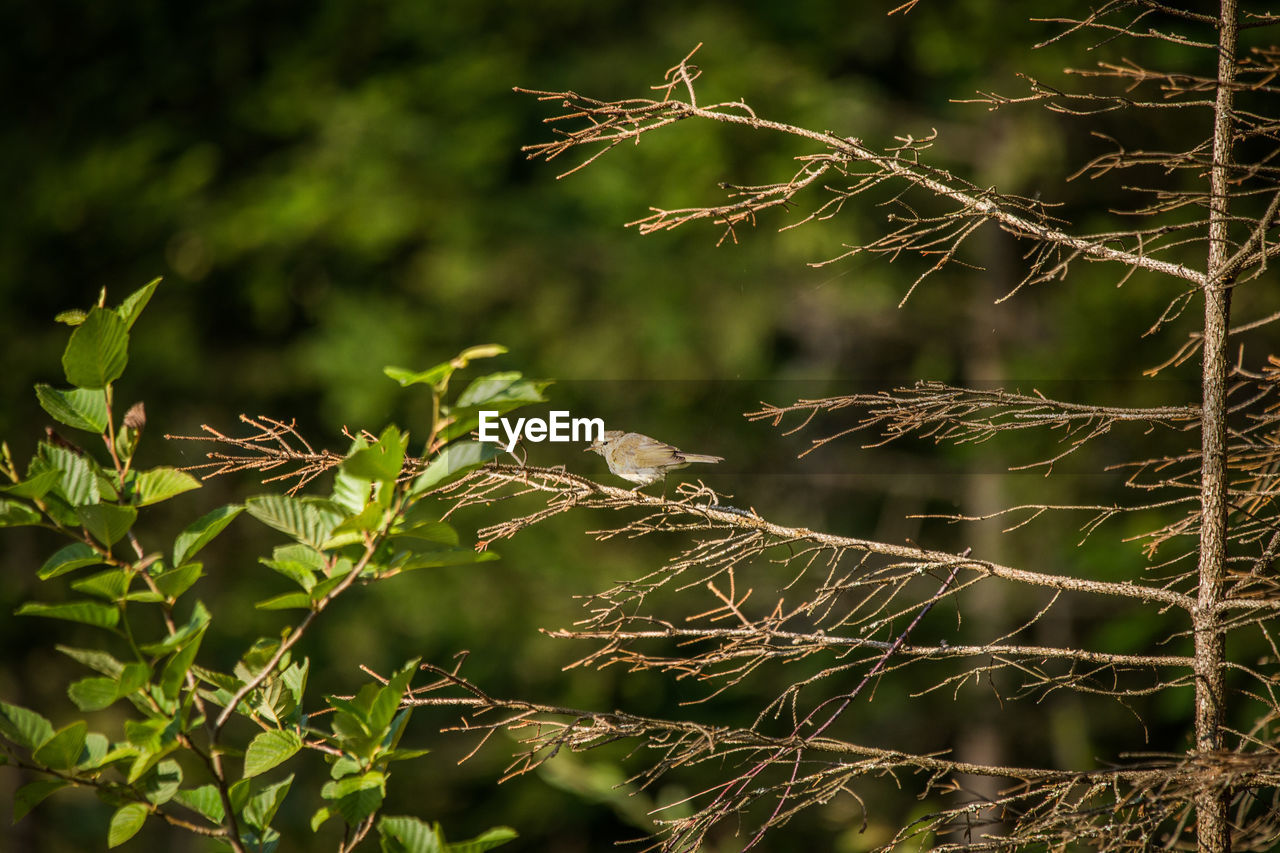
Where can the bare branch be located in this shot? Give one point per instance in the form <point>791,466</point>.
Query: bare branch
<point>609,122</point>
<point>954,415</point>
<point>567,491</point>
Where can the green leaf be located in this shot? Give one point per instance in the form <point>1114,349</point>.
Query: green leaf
<point>238,793</point>
<point>356,797</point>
<point>106,482</point>
<point>73,317</point>
<point>119,757</point>
<point>133,676</point>
<point>299,563</point>
<point>497,392</point>
<point>79,408</point>
<point>88,612</point>
<point>74,556</point>
<point>107,523</point>
<point>436,532</point>
<point>24,727</point>
<point>195,624</point>
<point>451,461</point>
<point>226,684</point>
<point>387,700</point>
<point>257,656</point>
<point>159,484</point>
<point>480,351</point>
<point>350,492</point>
<point>431,376</point>
<point>505,387</point>
<point>202,531</point>
<point>353,529</point>
<point>409,835</point>
<point>486,840</point>
<point>126,442</point>
<point>161,784</point>
<point>94,694</point>
<point>308,520</point>
<point>33,487</point>
<point>286,601</point>
<point>357,709</point>
<point>269,749</point>
<point>328,585</point>
<point>135,302</point>
<point>149,757</point>
<point>260,810</point>
<point>16,514</point>
<point>145,733</point>
<point>78,484</point>
<point>344,766</point>
<point>111,584</point>
<point>317,820</point>
<point>96,660</point>
<point>127,820</point>
<point>205,801</point>
<point>96,747</point>
<point>352,733</point>
<point>59,510</point>
<point>381,461</point>
<point>175,671</point>
<point>175,582</point>
<point>32,794</point>
<point>394,732</point>
<point>62,751</point>
<point>438,375</point>
<point>98,350</point>
<point>295,680</point>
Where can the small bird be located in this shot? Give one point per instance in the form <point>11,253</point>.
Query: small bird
<point>641,459</point>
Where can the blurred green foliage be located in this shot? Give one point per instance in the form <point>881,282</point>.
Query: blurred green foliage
<point>332,187</point>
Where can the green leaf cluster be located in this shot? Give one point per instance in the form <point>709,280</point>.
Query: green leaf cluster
<point>146,625</point>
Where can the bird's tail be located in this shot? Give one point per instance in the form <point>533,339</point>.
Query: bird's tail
<point>700,457</point>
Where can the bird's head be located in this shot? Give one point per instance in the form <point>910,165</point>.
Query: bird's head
<point>599,445</point>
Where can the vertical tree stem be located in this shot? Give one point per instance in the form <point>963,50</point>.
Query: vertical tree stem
<point>1212,829</point>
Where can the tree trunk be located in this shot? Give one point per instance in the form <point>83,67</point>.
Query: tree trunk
<point>1211,805</point>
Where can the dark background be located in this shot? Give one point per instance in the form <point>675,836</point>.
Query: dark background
<point>331,187</point>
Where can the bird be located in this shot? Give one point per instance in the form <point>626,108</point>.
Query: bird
<point>640,459</point>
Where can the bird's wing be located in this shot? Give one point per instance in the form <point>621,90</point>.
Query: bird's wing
<point>649,452</point>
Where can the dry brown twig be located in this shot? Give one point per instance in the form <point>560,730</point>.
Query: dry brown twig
<point>275,445</point>
<point>609,123</point>
<point>789,595</point>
